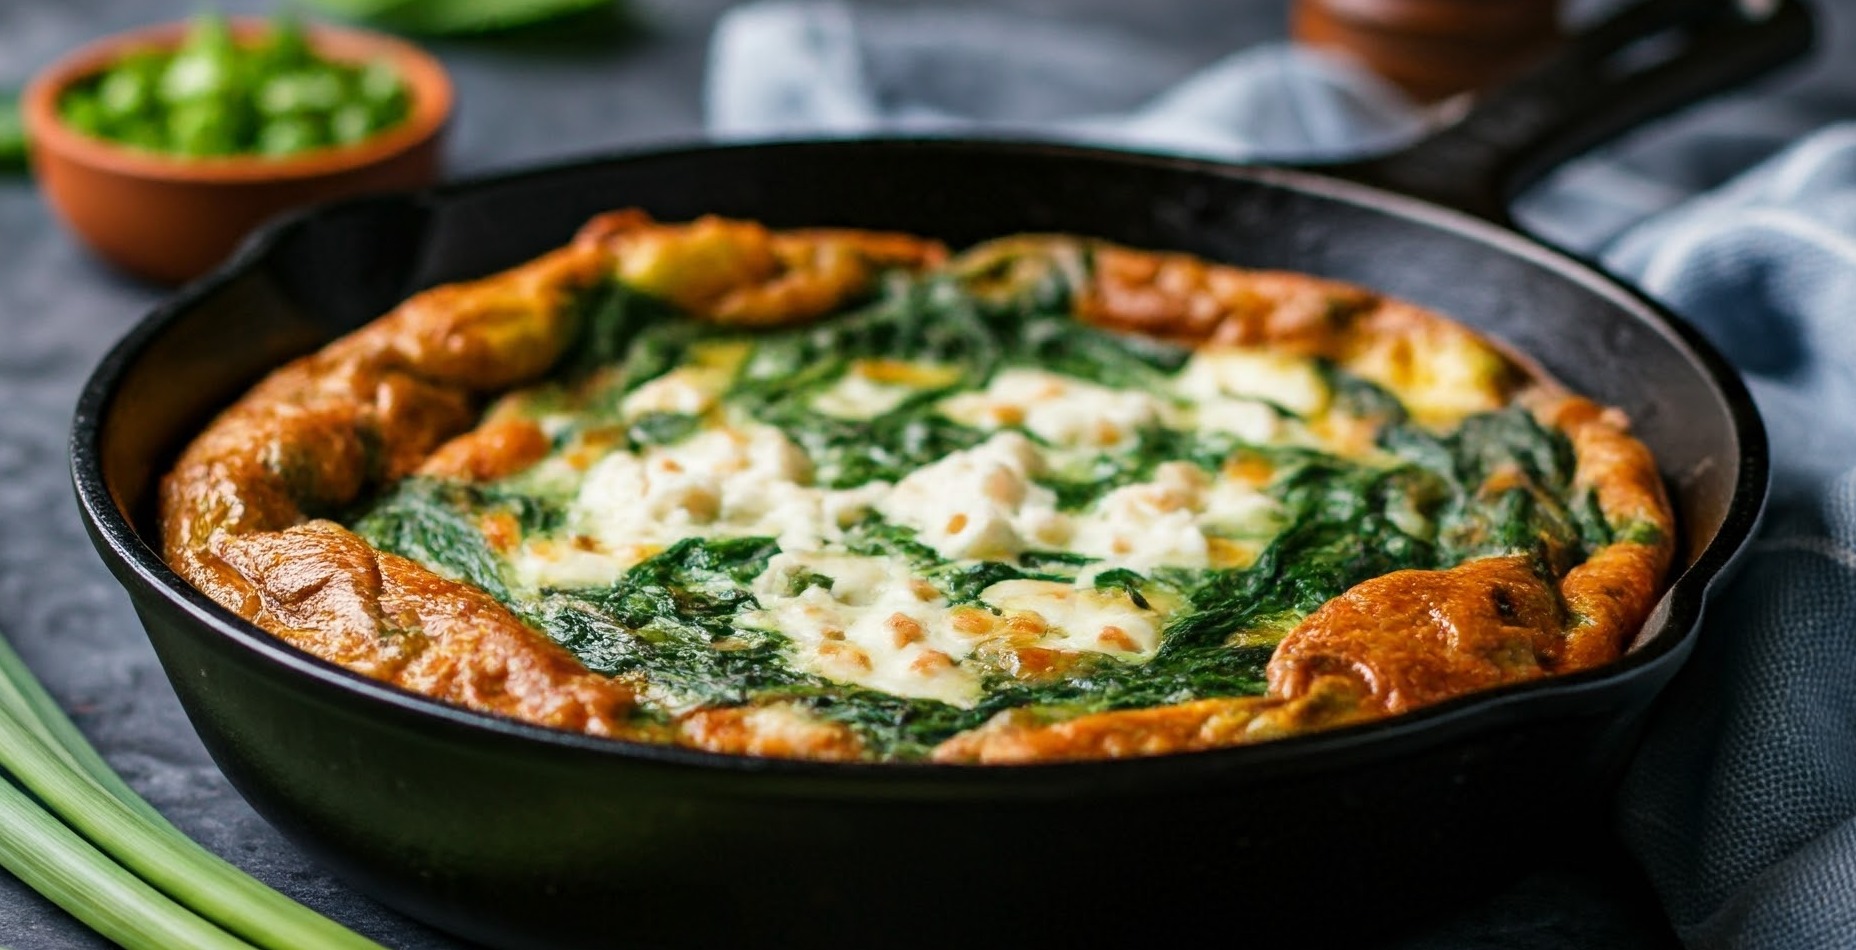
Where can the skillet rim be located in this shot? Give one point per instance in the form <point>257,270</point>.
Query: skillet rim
<point>140,568</point>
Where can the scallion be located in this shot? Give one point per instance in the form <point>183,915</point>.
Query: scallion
<point>54,861</point>
<point>25,700</point>
<point>46,755</point>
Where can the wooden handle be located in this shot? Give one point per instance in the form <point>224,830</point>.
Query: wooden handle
<point>1433,48</point>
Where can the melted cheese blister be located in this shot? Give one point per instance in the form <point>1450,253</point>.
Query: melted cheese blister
<point>980,503</point>
<point>730,481</point>
<point>1082,619</point>
<point>870,388</point>
<point>686,390</point>
<point>1292,382</point>
<point>877,625</point>
<point>1441,374</point>
<point>1061,410</point>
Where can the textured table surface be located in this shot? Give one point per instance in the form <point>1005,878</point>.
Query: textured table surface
<point>536,98</point>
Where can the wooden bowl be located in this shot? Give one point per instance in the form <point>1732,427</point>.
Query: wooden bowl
<point>168,218</point>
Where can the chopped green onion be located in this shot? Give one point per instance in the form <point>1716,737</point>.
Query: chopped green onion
<point>289,135</point>
<point>145,134</point>
<point>125,92</point>
<point>198,128</point>
<point>79,110</point>
<point>351,123</point>
<point>379,82</point>
<point>207,66</point>
<point>46,755</point>
<point>289,46</point>
<point>214,96</point>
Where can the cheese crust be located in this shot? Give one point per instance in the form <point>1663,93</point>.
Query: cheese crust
<point>249,514</point>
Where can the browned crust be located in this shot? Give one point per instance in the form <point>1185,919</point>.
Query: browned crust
<point>238,512</point>
<point>740,273</point>
<point>776,731</point>
<point>1610,595</point>
<point>1019,736</point>
<point>1187,299</point>
<point>320,588</point>
<point>238,509</point>
<point>496,449</point>
<point>1413,638</point>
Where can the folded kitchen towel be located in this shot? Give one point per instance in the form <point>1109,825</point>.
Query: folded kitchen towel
<point>785,68</point>
<point>1741,805</point>
<point>1742,802</point>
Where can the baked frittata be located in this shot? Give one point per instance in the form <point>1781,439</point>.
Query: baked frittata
<point>838,495</point>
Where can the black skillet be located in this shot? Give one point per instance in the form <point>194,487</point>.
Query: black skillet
<point>519,836</point>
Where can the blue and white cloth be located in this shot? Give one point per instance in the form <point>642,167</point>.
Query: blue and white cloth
<point>1741,806</point>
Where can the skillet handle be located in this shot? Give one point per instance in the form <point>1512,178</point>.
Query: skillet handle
<point>1650,59</point>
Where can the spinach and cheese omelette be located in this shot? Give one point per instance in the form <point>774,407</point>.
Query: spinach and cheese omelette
<point>835,494</point>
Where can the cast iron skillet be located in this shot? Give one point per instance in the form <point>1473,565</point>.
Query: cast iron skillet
<point>519,836</point>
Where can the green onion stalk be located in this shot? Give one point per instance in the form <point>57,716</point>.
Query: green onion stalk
<point>54,861</point>
<point>162,889</point>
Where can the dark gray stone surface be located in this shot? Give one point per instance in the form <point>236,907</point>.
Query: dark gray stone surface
<point>539,97</point>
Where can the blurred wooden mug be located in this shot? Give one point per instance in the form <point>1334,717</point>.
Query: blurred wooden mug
<point>1433,48</point>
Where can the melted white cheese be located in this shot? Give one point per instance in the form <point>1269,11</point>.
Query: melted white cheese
<point>688,390</point>
<point>1172,521</point>
<point>1080,618</point>
<point>1442,374</point>
<point>1250,420</point>
<point>728,481</point>
<point>1061,410</point>
<point>552,562</point>
<point>1235,510</point>
<point>1292,382</point>
<point>1146,525</point>
<point>876,626</point>
<point>981,502</point>
<point>870,388</point>
<point>856,396</point>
